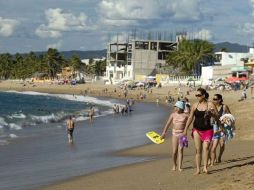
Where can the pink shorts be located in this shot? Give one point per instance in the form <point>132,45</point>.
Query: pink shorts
<point>206,135</point>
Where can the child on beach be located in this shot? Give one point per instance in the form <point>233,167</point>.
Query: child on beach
<point>179,119</point>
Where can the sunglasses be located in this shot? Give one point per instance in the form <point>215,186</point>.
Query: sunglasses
<point>215,99</point>
<point>198,95</point>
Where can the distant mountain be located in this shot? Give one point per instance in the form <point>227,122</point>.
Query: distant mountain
<point>231,47</point>
<point>85,54</point>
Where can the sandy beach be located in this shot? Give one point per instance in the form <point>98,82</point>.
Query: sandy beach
<point>235,172</point>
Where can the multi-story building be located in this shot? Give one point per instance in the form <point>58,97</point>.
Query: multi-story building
<point>136,58</point>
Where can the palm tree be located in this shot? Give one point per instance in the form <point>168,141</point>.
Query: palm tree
<point>6,65</point>
<point>76,64</point>
<point>54,61</point>
<point>189,55</point>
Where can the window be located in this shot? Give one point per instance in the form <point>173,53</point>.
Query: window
<point>153,46</point>
<point>141,45</point>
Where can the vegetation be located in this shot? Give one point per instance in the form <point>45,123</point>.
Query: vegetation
<point>190,54</point>
<point>25,66</point>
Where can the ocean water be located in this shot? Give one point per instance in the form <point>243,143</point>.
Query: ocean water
<point>20,111</point>
<point>33,140</point>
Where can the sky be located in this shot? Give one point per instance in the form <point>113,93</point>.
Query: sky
<point>36,25</point>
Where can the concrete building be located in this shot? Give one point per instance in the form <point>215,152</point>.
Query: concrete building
<point>227,64</point>
<point>136,58</point>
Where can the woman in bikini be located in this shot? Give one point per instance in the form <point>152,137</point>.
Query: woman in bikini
<point>179,119</point>
<point>202,132</point>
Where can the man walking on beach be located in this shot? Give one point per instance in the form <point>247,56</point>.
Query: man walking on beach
<point>70,129</point>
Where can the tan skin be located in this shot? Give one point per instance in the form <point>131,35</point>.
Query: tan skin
<point>176,148</point>
<point>201,147</point>
<point>70,125</point>
<point>221,142</point>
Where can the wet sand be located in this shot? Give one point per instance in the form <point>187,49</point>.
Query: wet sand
<point>235,172</point>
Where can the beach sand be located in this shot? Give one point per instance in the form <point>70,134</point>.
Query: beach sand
<point>235,172</point>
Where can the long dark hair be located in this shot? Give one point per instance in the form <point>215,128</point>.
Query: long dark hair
<point>219,96</point>
<point>203,92</point>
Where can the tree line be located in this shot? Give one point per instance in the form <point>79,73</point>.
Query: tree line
<point>52,62</point>
<point>189,55</point>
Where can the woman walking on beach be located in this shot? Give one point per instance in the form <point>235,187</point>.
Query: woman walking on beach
<point>219,136</point>
<point>179,119</point>
<point>70,129</point>
<point>202,131</point>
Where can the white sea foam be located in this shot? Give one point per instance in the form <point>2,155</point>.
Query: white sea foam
<point>17,115</point>
<point>3,122</point>
<point>13,136</point>
<point>46,118</point>
<point>79,98</point>
<point>14,126</point>
<point>4,142</point>
<point>81,118</point>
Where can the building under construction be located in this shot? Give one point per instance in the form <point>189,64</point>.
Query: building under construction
<point>137,58</point>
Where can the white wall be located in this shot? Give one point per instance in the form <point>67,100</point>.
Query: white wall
<point>207,73</point>
<point>232,58</point>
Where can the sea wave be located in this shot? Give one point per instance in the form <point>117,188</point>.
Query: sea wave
<point>17,115</point>
<point>14,126</point>
<point>3,122</point>
<point>79,98</point>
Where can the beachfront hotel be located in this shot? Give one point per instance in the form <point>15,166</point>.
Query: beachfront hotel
<point>136,59</point>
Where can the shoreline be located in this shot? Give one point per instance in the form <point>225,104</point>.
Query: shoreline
<point>238,156</point>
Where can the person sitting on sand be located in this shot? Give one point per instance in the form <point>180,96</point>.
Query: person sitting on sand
<point>70,129</point>
<point>202,131</point>
<point>179,119</point>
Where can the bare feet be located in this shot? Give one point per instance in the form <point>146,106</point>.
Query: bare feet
<point>205,170</point>
<point>174,168</point>
<point>180,169</point>
<point>197,172</point>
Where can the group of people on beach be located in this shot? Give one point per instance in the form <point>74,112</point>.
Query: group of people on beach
<point>213,124</point>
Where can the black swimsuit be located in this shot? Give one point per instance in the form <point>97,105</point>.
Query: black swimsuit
<point>201,122</point>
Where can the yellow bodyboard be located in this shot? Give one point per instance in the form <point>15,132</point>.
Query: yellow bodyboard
<point>155,137</point>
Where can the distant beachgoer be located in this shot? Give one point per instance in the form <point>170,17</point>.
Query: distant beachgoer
<point>219,136</point>
<point>187,105</point>
<point>179,119</point>
<point>91,114</point>
<point>202,131</point>
<point>70,129</point>
<point>114,109</point>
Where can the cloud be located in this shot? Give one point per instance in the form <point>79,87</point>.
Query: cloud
<point>56,45</point>
<point>135,12</point>
<point>202,34</point>
<point>7,26</point>
<point>60,21</point>
<point>248,27</point>
<point>44,31</point>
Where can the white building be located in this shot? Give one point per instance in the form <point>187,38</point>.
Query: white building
<point>86,61</point>
<point>226,64</point>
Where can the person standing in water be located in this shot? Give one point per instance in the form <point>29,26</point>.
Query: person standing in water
<point>91,114</point>
<point>70,129</point>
